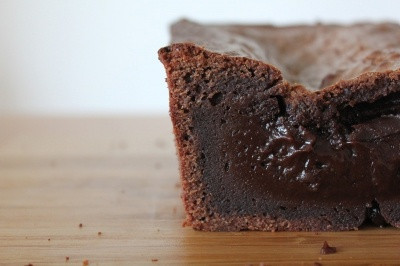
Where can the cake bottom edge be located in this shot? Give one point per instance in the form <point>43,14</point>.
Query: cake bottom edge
<point>333,218</point>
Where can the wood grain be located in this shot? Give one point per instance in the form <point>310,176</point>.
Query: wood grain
<point>118,176</point>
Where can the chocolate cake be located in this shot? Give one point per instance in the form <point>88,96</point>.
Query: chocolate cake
<point>286,128</point>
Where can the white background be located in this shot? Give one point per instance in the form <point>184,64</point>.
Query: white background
<point>77,57</point>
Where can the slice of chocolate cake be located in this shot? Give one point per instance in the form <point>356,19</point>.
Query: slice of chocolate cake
<point>286,128</point>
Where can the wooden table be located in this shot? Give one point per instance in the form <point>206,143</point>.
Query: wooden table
<point>119,176</point>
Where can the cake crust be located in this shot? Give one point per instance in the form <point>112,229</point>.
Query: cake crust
<point>291,128</point>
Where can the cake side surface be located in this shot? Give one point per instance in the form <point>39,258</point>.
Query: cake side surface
<point>258,152</point>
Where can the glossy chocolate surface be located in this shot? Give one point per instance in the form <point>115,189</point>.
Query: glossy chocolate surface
<point>254,153</point>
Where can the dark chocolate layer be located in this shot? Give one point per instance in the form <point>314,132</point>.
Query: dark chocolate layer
<point>248,160</point>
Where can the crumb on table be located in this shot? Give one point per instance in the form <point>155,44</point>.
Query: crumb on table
<point>326,249</point>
